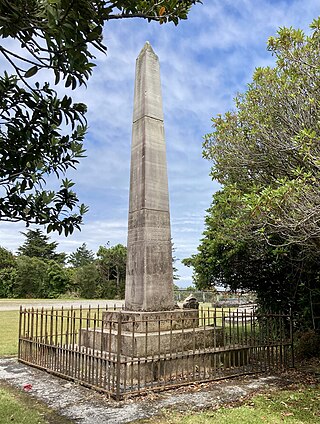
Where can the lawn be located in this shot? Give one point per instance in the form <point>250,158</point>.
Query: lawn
<point>9,332</point>
<point>301,406</point>
<point>9,319</point>
<point>17,407</point>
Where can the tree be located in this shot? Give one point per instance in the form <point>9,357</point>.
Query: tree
<point>262,230</point>
<point>58,281</point>
<point>37,246</point>
<point>41,134</point>
<point>8,282</point>
<point>7,273</point>
<point>87,280</point>
<point>82,256</point>
<point>284,279</point>
<point>6,258</point>
<point>31,278</point>
<point>269,149</point>
<point>112,266</point>
<point>176,276</point>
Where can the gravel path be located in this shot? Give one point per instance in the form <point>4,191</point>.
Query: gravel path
<point>85,406</point>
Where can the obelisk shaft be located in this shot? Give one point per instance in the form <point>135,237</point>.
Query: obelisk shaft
<point>149,281</point>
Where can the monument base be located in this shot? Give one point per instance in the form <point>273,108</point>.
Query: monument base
<point>152,343</point>
<point>189,365</point>
<point>169,346</point>
<point>143,334</point>
<point>144,321</point>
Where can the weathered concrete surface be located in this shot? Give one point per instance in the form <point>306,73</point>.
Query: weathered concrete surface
<point>85,406</point>
<point>149,278</point>
<point>154,343</point>
<point>142,322</point>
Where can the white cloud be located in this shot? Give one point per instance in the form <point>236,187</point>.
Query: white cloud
<point>205,61</point>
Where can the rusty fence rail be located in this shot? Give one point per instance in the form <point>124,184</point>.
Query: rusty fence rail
<point>122,353</point>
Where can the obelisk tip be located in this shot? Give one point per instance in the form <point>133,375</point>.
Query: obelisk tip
<point>147,47</point>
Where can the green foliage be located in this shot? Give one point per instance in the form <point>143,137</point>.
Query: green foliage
<point>262,230</point>
<point>112,268</point>
<point>59,34</point>
<point>268,149</point>
<point>31,279</point>
<point>41,134</point>
<point>39,278</point>
<point>86,281</point>
<point>8,282</point>
<point>6,258</point>
<point>7,273</point>
<point>37,246</point>
<point>38,271</point>
<point>58,280</point>
<point>82,256</point>
<point>307,345</point>
<point>34,145</point>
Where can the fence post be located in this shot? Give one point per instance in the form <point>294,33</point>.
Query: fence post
<point>118,365</point>
<point>20,325</point>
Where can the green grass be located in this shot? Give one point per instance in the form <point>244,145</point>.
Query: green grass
<point>292,407</point>
<point>9,328</point>
<point>9,333</point>
<point>17,407</point>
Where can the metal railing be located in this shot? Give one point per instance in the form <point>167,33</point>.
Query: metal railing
<point>120,352</point>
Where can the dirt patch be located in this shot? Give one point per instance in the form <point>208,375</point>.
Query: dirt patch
<point>83,405</point>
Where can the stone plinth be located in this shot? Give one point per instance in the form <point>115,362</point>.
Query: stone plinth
<point>141,322</point>
<point>142,345</point>
<point>143,334</point>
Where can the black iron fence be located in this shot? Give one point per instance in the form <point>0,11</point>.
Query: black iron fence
<point>122,352</point>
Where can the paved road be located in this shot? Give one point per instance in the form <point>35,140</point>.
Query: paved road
<point>14,304</point>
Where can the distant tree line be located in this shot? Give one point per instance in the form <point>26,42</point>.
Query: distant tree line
<point>38,271</point>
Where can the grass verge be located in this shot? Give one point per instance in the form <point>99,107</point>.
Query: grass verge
<point>9,333</point>
<point>301,406</point>
<point>18,407</point>
<point>9,330</point>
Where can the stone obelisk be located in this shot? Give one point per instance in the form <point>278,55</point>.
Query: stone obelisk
<point>149,280</point>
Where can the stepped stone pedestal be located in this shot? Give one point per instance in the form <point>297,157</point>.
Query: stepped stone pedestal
<point>144,334</point>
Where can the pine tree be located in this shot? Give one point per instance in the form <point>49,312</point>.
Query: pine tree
<point>82,256</point>
<point>37,245</point>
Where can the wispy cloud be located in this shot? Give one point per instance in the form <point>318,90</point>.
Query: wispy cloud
<point>204,61</point>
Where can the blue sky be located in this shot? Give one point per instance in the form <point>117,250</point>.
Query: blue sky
<point>205,61</point>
